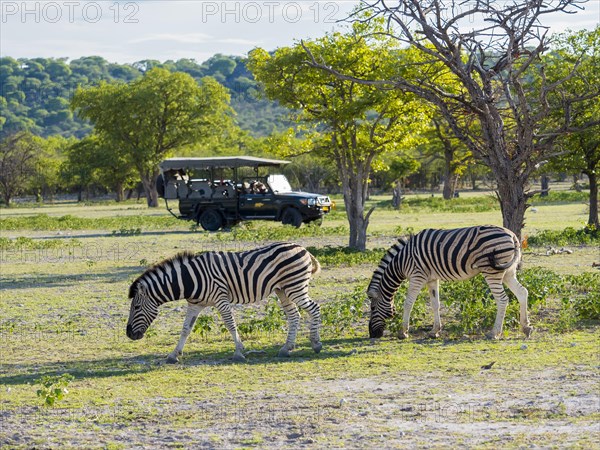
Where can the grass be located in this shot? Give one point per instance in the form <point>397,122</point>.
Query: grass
<point>63,311</point>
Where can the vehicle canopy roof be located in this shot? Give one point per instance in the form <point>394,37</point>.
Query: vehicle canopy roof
<point>220,162</point>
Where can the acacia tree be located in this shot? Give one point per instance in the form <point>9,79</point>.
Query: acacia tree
<point>91,160</point>
<point>580,152</point>
<point>358,123</point>
<point>456,157</point>
<point>18,153</point>
<point>152,116</point>
<point>493,49</point>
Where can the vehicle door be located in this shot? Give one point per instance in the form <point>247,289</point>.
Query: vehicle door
<point>256,200</point>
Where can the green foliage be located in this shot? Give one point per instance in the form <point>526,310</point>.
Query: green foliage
<point>344,256</point>
<point>69,222</point>
<point>18,160</point>
<point>271,321</point>
<point>54,388</point>
<point>568,236</point>
<point>582,295</point>
<point>92,161</point>
<point>345,312</point>
<point>353,123</point>
<point>471,308</point>
<point>204,325</point>
<point>25,243</point>
<point>560,197</point>
<point>35,93</point>
<point>149,118</point>
<point>438,204</point>
<point>254,232</point>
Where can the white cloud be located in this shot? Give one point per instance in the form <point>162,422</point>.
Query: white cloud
<point>184,38</point>
<point>186,29</point>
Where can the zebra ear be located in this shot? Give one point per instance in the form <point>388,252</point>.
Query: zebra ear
<point>403,240</point>
<point>373,294</point>
<point>133,289</point>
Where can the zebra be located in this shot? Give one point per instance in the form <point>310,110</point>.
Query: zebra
<point>458,254</point>
<point>221,279</point>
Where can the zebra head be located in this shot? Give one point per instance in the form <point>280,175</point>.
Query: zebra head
<point>382,308</point>
<point>142,312</point>
<point>381,293</point>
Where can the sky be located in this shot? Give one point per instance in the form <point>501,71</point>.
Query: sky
<point>129,31</point>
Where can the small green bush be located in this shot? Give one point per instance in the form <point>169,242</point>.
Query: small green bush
<point>344,256</point>
<point>250,231</point>
<point>561,197</point>
<point>569,236</point>
<point>54,388</point>
<point>481,203</point>
<point>45,222</point>
<point>25,243</point>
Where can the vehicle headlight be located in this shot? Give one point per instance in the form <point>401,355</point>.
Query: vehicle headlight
<point>309,201</point>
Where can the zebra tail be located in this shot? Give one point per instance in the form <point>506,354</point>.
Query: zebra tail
<point>516,257</point>
<point>316,267</point>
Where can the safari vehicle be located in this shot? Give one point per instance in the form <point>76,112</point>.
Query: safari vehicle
<point>220,192</point>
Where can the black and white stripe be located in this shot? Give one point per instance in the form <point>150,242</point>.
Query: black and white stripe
<point>434,255</point>
<point>221,279</point>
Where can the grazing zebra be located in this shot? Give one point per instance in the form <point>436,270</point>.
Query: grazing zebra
<point>459,254</point>
<point>221,279</point>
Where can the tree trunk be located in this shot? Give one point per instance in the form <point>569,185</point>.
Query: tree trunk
<point>450,186</point>
<point>120,194</point>
<point>593,216</point>
<point>149,183</point>
<point>513,203</point>
<point>545,185</point>
<point>354,185</point>
<point>397,195</point>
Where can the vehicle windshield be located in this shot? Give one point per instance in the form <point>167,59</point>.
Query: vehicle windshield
<point>279,183</point>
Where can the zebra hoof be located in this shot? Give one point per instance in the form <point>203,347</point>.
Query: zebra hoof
<point>238,357</point>
<point>283,353</point>
<point>172,359</point>
<point>402,335</point>
<point>527,331</point>
<point>492,336</point>
<point>317,347</point>
<point>434,334</point>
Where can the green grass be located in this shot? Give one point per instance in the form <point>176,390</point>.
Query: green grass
<point>63,310</point>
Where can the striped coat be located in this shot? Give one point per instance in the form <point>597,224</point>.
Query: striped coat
<point>449,255</point>
<point>220,279</point>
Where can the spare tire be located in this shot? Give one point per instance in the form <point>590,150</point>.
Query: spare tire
<point>160,186</point>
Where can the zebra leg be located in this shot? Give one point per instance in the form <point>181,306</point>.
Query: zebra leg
<point>510,279</point>
<point>495,284</point>
<point>314,310</point>
<point>414,287</point>
<point>293,318</point>
<point>434,296</point>
<point>224,308</point>
<point>188,325</point>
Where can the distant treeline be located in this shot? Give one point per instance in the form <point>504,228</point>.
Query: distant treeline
<point>36,93</point>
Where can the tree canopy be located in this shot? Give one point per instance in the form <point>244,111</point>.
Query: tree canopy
<point>357,123</point>
<point>154,115</point>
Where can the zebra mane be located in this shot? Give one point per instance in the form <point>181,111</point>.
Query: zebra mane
<point>387,258</point>
<point>180,257</point>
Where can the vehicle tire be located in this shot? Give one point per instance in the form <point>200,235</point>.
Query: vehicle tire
<point>291,217</point>
<point>318,221</point>
<point>211,220</point>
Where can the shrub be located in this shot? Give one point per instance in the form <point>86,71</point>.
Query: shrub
<point>54,388</point>
<point>568,236</point>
